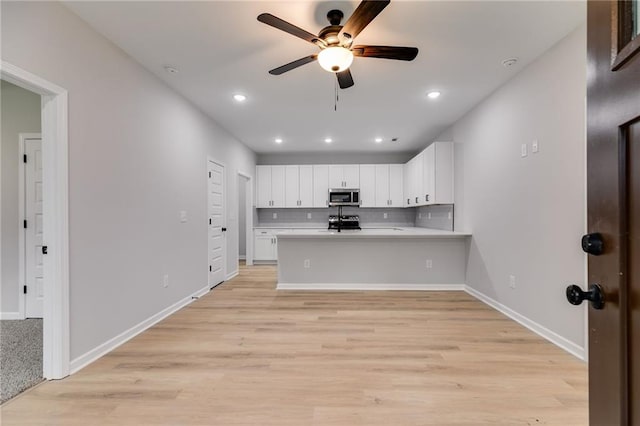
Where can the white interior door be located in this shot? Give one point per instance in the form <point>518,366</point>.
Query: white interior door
<point>217,246</point>
<point>34,277</point>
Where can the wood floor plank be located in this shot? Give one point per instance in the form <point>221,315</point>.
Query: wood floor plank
<point>246,354</point>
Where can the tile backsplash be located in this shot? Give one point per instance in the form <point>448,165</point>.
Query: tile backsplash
<point>435,217</point>
<point>320,217</point>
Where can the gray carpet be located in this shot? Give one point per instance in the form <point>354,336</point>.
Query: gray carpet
<point>20,356</point>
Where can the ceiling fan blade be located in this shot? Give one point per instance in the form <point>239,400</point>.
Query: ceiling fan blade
<point>366,11</point>
<point>386,52</point>
<point>283,25</point>
<point>293,65</point>
<point>345,79</point>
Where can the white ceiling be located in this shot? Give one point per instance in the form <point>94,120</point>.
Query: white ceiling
<point>220,49</point>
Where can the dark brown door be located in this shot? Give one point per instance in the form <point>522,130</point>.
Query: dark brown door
<point>613,187</point>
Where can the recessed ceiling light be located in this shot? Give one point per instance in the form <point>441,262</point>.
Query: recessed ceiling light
<point>433,95</point>
<point>509,62</point>
<point>170,69</point>
<point>240,98</point>
<point>378,140</point>
<point>278,140</point>
<point>328,140</point>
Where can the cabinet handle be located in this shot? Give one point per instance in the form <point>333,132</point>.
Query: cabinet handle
<point>426,197</point>
<point>416,200</point>
<point>408,201</point>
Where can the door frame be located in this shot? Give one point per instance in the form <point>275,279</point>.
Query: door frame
<point>211,159</point>
<point>55,174</point>
<point>22,298</point>
<point>248,204</point>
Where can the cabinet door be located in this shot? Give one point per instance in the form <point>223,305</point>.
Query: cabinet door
<point>429,164</point>
<point>336,178</point>
<point>443,176</point>
<point>320,186</point>
<point>351,175</point>
<point>368,186</point>
<point>382,184</point>
<point>277,186</point>
<point>263,247</point>
<point>263,186</point>
<point>406,183</point>
<point>395,185</point>
<point>418,180</point>
<point>306,186</point>
<point>291,186</point>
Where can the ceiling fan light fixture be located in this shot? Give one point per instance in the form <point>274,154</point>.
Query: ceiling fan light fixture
<point>335,59</point>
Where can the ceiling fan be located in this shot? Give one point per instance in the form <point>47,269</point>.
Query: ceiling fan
<point>336,41</point>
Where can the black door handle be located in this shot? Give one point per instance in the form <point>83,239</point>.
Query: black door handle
<point>224,229</point>
<point>575,295</point>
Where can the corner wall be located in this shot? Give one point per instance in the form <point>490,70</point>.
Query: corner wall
<point>20,114</point>
<point>527,215</point>
<point>137,157</point>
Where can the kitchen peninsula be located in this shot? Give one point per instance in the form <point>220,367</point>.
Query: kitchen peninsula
<point>372,259</point>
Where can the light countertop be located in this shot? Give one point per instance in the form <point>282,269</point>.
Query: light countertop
<point>398,232</point>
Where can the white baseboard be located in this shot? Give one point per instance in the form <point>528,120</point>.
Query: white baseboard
<point>231,275</point>
<point>11,316</point>
<point>97,352</point>
<point>540,330</point>
<point>242,257</point>
<point>370,286</point>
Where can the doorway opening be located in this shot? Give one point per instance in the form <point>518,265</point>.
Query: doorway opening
<point>245,219</point>
<point>54,227</point>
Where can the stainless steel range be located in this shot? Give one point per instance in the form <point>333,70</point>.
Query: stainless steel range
<point>346,221</point>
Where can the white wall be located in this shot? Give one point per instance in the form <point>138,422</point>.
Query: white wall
<point>137,156</point>
<point>527,215</point>
<point>20,114</point>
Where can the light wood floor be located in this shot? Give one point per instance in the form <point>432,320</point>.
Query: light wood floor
<point>246,354</point>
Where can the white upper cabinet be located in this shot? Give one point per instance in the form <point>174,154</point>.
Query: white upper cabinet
<point>270,186</point>
<point>368,185</point>
<point>292,186</point>
<point>306,186</point>
<point>431,175</point>
<point>395,185</point>
<point>344,176</point>
<point>298,186</point>
<point>320,186</point>
<point>381,184</point>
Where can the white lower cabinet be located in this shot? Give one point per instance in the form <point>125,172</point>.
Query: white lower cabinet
<point>265,244</point>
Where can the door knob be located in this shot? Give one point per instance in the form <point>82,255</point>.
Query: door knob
<point>575,295</point>
<point>593,244</point>
<point>224,229</point>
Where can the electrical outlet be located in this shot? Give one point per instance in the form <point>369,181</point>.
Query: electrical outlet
<point>428,264</point>
<point>449,215</point>
<point>512,281</point>
<point>523,150</point>
<point>308,215</point>
<point>165,281</point>
<point>419,215</point>
<point>385,215</point>
<point>275,215</point>
<point>183,216</point>
<point>534,146</point>
<point>429,215</point>
<point>307,263</point>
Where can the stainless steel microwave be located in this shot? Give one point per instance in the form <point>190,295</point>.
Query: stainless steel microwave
<point>344,197</point>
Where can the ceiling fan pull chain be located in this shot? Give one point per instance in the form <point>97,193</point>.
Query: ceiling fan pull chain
<point>335,103</point>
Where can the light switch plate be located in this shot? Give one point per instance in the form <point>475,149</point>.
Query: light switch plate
<point>183,216</point>
<point>523,149</point>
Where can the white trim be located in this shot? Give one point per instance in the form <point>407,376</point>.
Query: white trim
<point>242,257</point>
<point>370,286</point>
<point>540,330</point>
<point>83,360</point>
<point>231,276</point>
<point>56,216</point>
<point>11,316</point>
<point>248,205</point>
<point>22,298</point>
